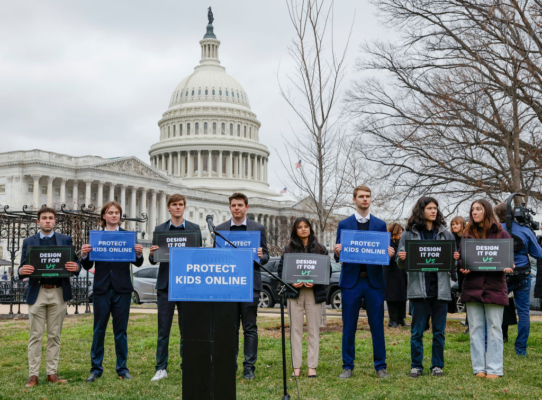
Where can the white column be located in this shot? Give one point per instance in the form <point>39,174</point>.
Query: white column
<point>152,212</point>
<point>239,170</point>
<point>143,208</point>
<point>50,180</point>
<point>170,164</point>
<point>163,207</point>
<point>36,193</point>
<point>75,194</point>
<point>100,196</point>
<point>262,169</point>
<point>133,208</point>
<point>265,170</point>
<point>178,163</point>
<point>63,190</point>
<point>249,166</point>
<point>123,198</point>
<point>189,173</point>
<point>200,166</point>
<point>230,171</point>
<point>111,191</point>
<point>220,164</point>
<point>88,183</point>
<point>163,162</point>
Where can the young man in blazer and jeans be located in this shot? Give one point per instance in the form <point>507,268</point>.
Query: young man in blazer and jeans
<point>47,300</point>
<point>247,311</point>
<point>361,281</point>
<point>176,206</point>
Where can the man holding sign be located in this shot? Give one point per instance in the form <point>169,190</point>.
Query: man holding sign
<point>248,311</point>
<point>47,297</point>
<point>362,281</point>
<point>177,232</point>
<point>112,288</point>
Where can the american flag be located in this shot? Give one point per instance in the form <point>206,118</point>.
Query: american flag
<point>298,164</point>
<point>283,191</point>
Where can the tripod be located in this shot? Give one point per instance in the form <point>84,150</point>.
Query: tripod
<point>284,288</point>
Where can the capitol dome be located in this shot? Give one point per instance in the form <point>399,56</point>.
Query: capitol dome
<point>209,136</point>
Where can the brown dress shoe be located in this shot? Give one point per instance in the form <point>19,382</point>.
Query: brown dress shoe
<point>481,375</point>
<point>55,379</point>
<point>491,376</point>
<point>32,381</point>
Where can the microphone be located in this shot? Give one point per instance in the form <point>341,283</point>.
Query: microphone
<point>210,224</point>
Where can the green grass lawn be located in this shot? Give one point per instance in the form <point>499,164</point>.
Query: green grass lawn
<point>523,376</point>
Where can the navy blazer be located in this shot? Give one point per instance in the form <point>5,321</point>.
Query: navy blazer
<point>112,274</point>
<point>34,283</point>
<point>350,271</point>
<point>162,283</point>
<point>252,226</point>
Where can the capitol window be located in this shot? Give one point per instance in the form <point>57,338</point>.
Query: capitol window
<point>231,129</point>
<point>220,92</point>
<point>197,129</point>
<point>70,193</point>
<point>214,128</point>
<point>227,93</point>
<point>205,128</point>
<point>44,190</point>
<point>213,92</point>
<point>180,129</point>
<point>250,133</point>
<point>214,164</point>
<point>2,188</point>
<point>199,92</point>
<point>188,129</point>
<point>239,130</point>
<point>93,196</point>
<point>174,130</point>
<point>57,191</point>
<point>245,131</point>
<point>237,94</point>
<point>192,92</point>
<point>191,214</point>
<point>30,187</point>
<point>81,195</point>
<point>223,129</point>
<point>206,92</point>
<point>168,131</point>
<point>205,162</point>
<point>187,93</point>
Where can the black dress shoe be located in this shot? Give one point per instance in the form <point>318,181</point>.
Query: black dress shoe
<point>249,374</point>
<point>92,378</point>
<point>505,339</point>
<point>126,376</point>
<point>393,324</point>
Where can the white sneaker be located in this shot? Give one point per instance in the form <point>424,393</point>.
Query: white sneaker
<point>160,374</point>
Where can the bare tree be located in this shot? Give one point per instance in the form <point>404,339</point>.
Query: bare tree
<point>460,111</point>
<point>313,93</point>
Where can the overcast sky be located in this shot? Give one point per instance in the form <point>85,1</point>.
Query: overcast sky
<point>94,77</point>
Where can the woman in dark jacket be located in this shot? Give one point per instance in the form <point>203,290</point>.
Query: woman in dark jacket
<point>396,283</point>
<point>485,294</point>
<point>309,301</point>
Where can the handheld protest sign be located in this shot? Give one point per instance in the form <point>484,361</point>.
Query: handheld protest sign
<point>310,268</point>
<point>487,254</point>
<point>430,255</point>
<point>365,247</point>
<point>167,240</point>
<point>243,240</point>
<point>210,274</point>
<point>50,261</point>
<point>117,246</point>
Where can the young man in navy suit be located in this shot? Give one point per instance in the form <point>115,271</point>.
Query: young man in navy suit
<point>112,296</point>
<point>47,300</point>
<point>362,281</point>
<point>176,206</point>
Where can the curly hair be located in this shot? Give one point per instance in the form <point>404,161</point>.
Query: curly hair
<point>296,245</point>
<point>417,219</point>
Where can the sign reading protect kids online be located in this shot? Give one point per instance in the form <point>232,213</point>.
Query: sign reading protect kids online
<point>365,247</point>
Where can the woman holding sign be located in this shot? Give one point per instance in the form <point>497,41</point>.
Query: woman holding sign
<point>485,294</point>
<point>428,292</point>
<point>309,301</point>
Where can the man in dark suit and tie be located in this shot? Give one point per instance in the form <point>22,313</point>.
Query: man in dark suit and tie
<point>176,206</point>
<point>112,296</point>
<point>361,281</point>
<point>247,311</point>
<point>47,299</point>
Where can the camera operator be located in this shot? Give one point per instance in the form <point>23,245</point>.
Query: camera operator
<point>520,281</point>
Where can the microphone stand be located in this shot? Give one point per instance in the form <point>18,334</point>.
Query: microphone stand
<point>284,288</point>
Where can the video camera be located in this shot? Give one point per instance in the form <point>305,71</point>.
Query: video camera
<point>522,214</point>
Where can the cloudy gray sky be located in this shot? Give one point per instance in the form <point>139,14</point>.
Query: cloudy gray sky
<point>81,77</point>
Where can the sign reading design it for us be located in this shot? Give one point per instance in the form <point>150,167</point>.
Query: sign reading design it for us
<point>242,240</point>
<point>487,254</point>
<point>199,274</point>
<point>365,247</point>
<point>112,246</point>
<point>430,255</point>
<point>310,268</point>
<point>50,261</point>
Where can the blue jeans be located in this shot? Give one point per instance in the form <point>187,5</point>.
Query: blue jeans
<point>522,298</point>
<point>118,306</point>
<point>485,320</point>
<point>422,309</point>
<point>351,303</point>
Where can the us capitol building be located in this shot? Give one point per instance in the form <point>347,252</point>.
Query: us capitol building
<point>208,148</point>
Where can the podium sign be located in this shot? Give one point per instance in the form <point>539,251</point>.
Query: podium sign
<point>365,247</point>
<point>218,275</point>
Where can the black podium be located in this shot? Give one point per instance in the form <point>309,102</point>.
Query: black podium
<point>209,350</point>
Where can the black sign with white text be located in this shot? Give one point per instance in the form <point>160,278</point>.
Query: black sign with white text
<point>49,261</point>
<point>487,254</point>
<point>167,240</point>
<point>310,268</point>
<point>430,255</point>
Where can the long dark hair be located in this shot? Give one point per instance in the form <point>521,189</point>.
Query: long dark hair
<point>480,232</point>
<point>417,219</point>
<point>296,245</point>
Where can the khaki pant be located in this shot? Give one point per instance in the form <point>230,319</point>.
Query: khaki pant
<point>49,308</point>
<point>305,305</point>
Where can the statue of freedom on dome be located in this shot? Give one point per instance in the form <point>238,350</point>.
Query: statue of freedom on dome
<point>210,16</point>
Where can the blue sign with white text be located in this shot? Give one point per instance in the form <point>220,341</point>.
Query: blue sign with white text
<point>243,240</point>
<point>365,247</point>
<point>200,274</point>
<point>112,246</point>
